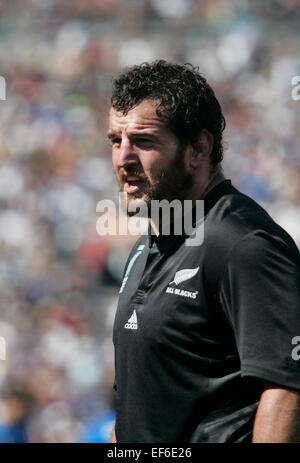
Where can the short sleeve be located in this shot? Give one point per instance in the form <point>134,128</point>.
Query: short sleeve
<point>260,294</point>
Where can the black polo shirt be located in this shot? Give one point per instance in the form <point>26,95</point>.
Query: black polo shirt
<point>198,328</point>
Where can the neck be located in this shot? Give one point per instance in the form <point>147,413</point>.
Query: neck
<point>214,179</point>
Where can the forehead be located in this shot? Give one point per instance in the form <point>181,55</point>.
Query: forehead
<point>140,117</point>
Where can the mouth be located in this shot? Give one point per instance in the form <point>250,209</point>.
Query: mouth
<point>132,185</point>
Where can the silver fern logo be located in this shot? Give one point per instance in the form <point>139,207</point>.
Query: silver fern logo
<point>181,276</point>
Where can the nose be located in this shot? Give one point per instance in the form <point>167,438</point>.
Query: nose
<point>127,154</point>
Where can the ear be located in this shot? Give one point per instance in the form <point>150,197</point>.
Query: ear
<point>201,150</point>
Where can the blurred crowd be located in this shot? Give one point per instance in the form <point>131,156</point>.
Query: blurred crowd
<point>59,279</point>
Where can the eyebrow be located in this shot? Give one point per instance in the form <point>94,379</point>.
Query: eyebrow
<point>111,135</point>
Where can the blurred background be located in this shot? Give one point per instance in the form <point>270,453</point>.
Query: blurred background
<point>59,279</point>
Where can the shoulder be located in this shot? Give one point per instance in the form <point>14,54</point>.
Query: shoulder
<point>238,230</point>
<point>237,217</point>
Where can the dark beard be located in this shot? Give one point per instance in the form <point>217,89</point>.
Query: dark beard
<point>170,184</point>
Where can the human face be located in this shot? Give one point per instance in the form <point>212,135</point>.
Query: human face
<point>146,155</point>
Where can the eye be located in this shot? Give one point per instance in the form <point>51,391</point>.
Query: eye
<point>115,141</point>
<point>143,141</point>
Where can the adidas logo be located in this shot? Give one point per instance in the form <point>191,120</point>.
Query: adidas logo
<point>132,322</point>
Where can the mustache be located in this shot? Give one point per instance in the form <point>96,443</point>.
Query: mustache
<point>131,170</point>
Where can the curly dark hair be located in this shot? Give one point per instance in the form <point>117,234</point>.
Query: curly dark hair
<point>185,99</point>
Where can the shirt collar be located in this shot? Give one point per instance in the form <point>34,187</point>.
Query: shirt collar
<point>165,242</point>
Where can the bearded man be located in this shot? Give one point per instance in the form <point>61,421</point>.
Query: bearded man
<point>204,335</point>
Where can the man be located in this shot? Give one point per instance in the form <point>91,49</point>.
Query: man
<point>204,335</point>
